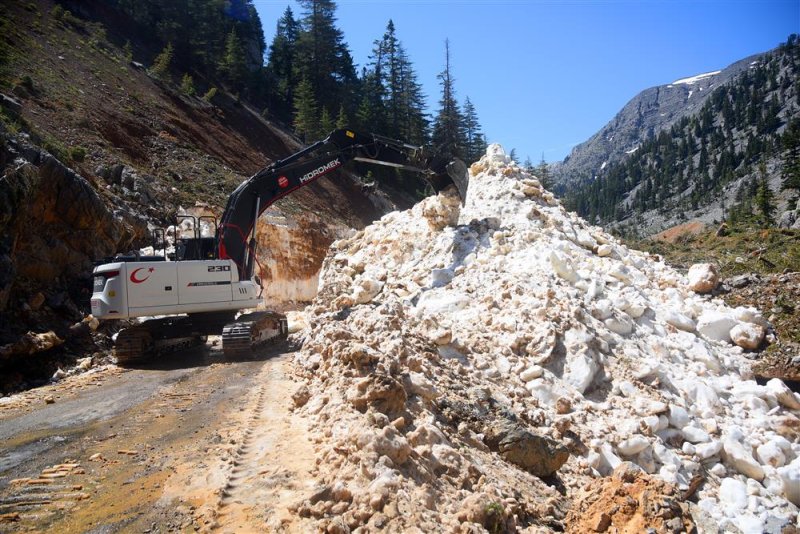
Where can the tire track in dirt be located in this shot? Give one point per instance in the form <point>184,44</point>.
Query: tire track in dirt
<point>273,464</point>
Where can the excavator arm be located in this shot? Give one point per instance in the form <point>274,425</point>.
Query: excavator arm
<point>236,232</point>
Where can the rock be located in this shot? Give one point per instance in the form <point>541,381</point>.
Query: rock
<point>563,406</point>
<point>49,399</point>
<point>580,371</point>
<point>301,396</point>
<point>31,343</point>
<point>390,443</point>
<point>695,435</point>
<point>708,449</point>
<point>716,325</point>
<point>678,417</point>
<point>366,290</point>
<point>531,373</point>
<point>703,277</point>
<point>562,267</point>
<point>770,454</point>
<point>747,335</point>
<point>740,281</point>
<point>741,460</point>
<point>10,104</point>
<point>539,455</point>
<point>441,277</point>
<point>36,301</point>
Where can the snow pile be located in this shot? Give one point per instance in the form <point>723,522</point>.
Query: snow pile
<point>454,356</point>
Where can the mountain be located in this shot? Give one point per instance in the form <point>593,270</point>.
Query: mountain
<point>646,114</point>
<point>729,157</point>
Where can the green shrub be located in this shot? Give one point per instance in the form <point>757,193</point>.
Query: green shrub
<point>187,85</point>
<point>209,96</point>
<point>57,12</point>
<point>77,153</point>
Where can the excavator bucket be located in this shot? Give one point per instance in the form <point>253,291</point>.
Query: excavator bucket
<point>457,171</point>
<point>450,173</point>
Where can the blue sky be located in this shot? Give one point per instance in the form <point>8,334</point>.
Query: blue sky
<point>546,75</point>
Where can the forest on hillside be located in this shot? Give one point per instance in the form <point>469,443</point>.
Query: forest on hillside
<point>306,77</point>
<point>746,131</point>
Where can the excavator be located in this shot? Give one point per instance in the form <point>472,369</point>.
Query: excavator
<point>200,289</point>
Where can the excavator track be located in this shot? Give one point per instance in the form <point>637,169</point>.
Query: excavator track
<point>253,330</point>
<point>137,345</point>
<point>164,336</point>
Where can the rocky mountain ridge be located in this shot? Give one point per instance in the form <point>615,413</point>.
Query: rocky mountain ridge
<point>646,114</point>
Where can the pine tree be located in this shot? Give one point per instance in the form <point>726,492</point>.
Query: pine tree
<point>326,124</point>
<point>342,121</point>
<point>448,135</point>
<point>475,140</point>
<point>322,56</point>
<point>233,65</point>
<point>127,50</point>
<point>306,124</point>
<point>281,61</point>
<point>765,199</point>
<point>543,174</point>
<point>187,85</point>
<point>790,158</point>
<point>163,61</point>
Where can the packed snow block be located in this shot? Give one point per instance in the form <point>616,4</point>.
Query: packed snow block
<point>381,392</point>
<point>562,267</point>
<point>539,455</point>
<point>580,370</point>
<point>785,396</point>
<point>742,460</point>
<point>790,477</point>
<point>716,325</point>
<point>703,277</point>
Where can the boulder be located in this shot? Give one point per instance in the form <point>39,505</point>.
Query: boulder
<point>747,335</point>
<point>539,455</point>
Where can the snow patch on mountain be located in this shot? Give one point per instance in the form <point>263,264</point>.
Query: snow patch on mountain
<point>694,79</point>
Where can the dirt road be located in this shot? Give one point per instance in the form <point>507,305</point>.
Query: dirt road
<point>191,443</point>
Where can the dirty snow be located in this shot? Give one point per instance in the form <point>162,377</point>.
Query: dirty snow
<point>435,326</point>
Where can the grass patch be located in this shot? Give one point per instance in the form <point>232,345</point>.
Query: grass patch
<point>743,250</point>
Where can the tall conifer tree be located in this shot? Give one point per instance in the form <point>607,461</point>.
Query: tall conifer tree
<point>448,135</point>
